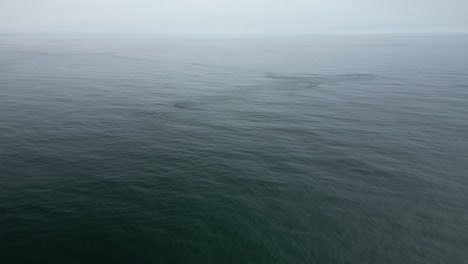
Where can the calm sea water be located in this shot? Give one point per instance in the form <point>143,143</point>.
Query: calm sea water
<point>325,149</point>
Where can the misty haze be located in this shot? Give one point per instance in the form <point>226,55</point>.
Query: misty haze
<point>233,131</point>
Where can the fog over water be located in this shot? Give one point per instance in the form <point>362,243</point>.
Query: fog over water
<point>248,131</point>
<point>221,17</point>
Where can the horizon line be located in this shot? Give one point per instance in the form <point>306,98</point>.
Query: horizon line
<point>230,35</point>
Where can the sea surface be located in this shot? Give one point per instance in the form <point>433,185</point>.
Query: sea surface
<point>317,149</point>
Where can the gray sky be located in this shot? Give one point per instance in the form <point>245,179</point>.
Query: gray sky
<point>233,16</point>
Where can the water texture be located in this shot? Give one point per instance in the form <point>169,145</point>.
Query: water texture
<point>320,149</point>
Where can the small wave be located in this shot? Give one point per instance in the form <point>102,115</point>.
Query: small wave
<point>183,104</point>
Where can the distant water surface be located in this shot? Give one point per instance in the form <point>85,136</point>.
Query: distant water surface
<point>325,149</point>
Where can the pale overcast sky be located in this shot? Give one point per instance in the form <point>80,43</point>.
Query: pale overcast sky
<point>233,16</point>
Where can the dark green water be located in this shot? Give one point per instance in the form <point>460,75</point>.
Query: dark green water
<point>333,149</point>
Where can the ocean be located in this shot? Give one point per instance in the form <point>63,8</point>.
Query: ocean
<point>300,149</point>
